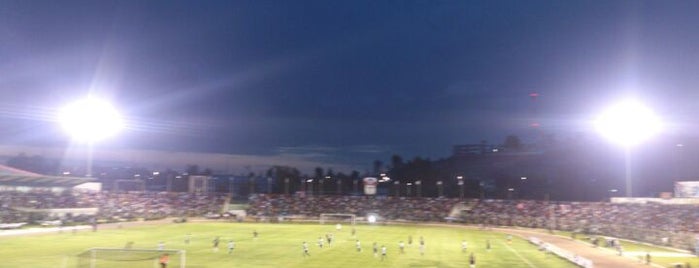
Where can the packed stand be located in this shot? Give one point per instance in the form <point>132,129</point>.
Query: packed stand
<point>391,208</point>
<point>672,225</point>
<point>112,206</point>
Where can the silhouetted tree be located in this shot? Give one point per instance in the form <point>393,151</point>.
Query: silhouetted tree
<point>193,169</point>
<point>512,143</point>
<point>378,166</point>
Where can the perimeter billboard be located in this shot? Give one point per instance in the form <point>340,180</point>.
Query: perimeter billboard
<point>687,189</point>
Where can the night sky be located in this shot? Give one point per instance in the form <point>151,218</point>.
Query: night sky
<point>343,82</point>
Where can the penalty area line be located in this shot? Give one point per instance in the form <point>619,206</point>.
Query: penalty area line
<point>519,255</point>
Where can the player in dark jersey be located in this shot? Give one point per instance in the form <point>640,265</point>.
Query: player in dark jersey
<point>215,243</point>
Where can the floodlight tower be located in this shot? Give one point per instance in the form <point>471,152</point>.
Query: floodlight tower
<point>628,124</point>
<point>88,121</point>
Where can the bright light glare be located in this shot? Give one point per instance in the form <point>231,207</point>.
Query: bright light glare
<point>371,219</point>
<point>90,120</point>
<point>628,123</point>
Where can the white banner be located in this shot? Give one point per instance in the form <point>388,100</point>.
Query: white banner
<point>687,189</point>
<point>370,185</point>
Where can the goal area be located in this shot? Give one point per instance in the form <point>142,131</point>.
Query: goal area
<point>132,258</point>
<point>337,218</point>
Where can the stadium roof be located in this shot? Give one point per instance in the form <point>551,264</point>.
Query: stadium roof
<point>16,177</point>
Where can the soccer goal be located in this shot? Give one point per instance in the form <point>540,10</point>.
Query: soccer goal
<point>338,218</point>
<point>132,258</point>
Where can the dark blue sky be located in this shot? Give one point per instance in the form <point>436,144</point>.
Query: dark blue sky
<point>342,81</point>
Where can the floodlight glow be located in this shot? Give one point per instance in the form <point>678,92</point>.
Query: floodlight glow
<point>371,218</point>
<point>628,123</point>
<point>90,120</point>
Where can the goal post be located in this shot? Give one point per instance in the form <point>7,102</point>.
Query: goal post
<point>337,218</point>
<point>128,257</point>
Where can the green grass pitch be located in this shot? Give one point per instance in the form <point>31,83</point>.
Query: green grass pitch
<point>280,245</point>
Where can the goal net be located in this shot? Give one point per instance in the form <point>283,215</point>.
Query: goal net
<point>338,218</point>
<point>132,258</point>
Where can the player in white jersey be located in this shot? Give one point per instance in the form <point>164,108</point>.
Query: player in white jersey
<point>305,249</point>
<point>231,246</point>
<point>187,238</point>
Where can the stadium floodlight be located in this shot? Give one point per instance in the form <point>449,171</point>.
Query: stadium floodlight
<point>628,123</point>
<point>90,120</point>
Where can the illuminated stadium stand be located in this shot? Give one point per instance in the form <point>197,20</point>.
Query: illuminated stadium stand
<point>33,199</point>
<point>652,222</point>
<point>16,180</point>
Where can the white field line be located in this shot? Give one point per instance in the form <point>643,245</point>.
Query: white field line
<point>518,255</point>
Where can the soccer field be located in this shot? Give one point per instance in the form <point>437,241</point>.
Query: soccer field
<point>280,245</point>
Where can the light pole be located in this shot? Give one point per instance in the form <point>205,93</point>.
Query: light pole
<point>439,189</point>
<point>321,190</point>
<point>612,192</point>
<point>628,123</point>
<point>309,184</point>
<point>460,181</point>
<point>407,188</point>
<point>396,186</point>
<point>269,185</point>
<point>418,185</point>
<point>286,186</point>
<point>338,183</point>
<point>230,185</point>
<point>251,181</point>
<point>677,163</point>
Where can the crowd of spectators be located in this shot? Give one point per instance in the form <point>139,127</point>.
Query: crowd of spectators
<point>388,207</point>
<point>151,205</point>
<point>111,206</point>
<point>38,199</point>
<point>671,225</point>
